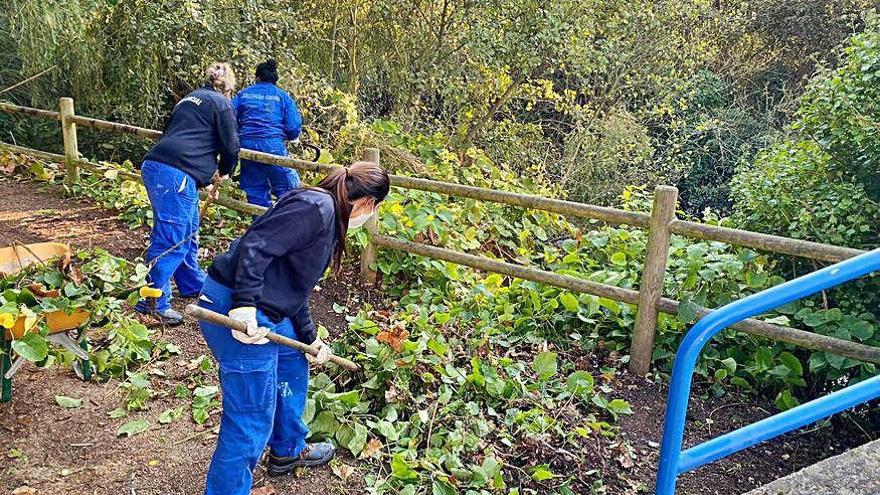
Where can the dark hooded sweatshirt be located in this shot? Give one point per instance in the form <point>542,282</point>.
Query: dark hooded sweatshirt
<point>201,127</point>
<point>275,265</point>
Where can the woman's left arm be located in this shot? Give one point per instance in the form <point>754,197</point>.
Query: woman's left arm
<point>303,324</point>
<point>292,120</point>
<point>227,136</point>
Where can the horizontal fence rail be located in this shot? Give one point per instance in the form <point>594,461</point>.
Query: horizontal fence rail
<point>802,338</point>
<point>33,112</point>
<point>651,302</point>
<point>764,242</point>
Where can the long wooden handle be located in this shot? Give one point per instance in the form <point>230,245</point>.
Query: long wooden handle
<point>225,321</point>
<point>208,200</point>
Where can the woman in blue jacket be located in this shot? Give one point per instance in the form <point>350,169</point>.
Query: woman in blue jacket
<point>264,280</point>
<point>201,127</point>
<point>267,116</point>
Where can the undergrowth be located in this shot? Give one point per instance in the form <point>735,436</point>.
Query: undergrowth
<point>476,383</point>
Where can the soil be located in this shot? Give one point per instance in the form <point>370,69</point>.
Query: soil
<point>59,451</point>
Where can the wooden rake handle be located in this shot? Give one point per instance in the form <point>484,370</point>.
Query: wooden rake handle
<point>211,197</point>
<point>209,316</point>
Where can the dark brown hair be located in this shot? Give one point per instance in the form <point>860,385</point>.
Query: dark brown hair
<point>348,184</point>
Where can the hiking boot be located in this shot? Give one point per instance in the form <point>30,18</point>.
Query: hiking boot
<point>315,454</point>
<point>169,317</point>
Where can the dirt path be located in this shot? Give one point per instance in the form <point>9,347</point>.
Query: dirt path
<point>59,451</point>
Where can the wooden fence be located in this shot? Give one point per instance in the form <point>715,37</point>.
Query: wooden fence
<point>661,224</point>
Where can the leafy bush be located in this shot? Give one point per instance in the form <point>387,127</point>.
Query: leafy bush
<point>792,190</point>
<point>840,110</point>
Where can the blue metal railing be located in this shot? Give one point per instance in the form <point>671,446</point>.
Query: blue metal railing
<point>672,460</point>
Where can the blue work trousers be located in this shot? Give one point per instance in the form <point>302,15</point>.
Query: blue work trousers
<point>264,394</point>
<point>174,244</point>
<point>260,181</point>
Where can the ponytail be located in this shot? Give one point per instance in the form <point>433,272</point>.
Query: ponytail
<point>349,184</point>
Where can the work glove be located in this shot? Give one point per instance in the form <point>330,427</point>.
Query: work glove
<point>255,333</point>
<point>324,352</point>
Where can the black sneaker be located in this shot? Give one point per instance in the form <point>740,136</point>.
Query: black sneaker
<point>315,454</point>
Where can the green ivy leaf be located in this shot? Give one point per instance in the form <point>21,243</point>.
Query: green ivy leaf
<point>580,383</point>
<point>756,280</point>
<point>791,362</point>
<point>358,440</point>
<point>619,406</point>
<point>68,402</point>
<point>687,311</point>
<point>400,469</point>
<point>32,346</point>
<point>117,413</point>
<point>569,302</point>
<point>325,423</point>
<point>170,415</point>
<point>133,428</point>
<point>618,259</point>
<point>544,364</point>
<point>440,487</point>
<point>542,473</point>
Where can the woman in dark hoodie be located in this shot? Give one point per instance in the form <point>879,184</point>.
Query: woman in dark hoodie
<point>264,280</point>
<point>202,126</point>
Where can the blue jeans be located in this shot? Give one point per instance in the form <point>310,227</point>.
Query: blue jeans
<point>257,178</point>
<point>264,394</point>
<point>173,240</point>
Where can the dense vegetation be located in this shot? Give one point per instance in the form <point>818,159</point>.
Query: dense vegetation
<point>599,94</point>
<point>763,111</point>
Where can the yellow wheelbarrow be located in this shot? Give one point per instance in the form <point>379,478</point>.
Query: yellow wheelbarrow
<point>15,258</point>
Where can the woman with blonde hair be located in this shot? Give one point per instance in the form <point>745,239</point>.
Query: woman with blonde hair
<point>201,127</point>
<point>264,280</point>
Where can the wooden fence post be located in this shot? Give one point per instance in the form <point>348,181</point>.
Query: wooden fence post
<point>653,274</point>
<point>368,257</point>
<point>68,131</point>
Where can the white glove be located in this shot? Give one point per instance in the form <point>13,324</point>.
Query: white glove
<point>324,352</point>
<point>255,334</point>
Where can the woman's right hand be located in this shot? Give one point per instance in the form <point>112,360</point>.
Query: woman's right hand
<point>255,333</point>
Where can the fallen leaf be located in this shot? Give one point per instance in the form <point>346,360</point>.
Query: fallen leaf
<point>132,428</point>
<point>264,490</point>
<point>625,461</point>
<point>343,471</point>
<point>373,446</point>
<point>24,490</point>
<point>75,275</point>
<point>394,337</point>
<point>68,402</point>
<point>40,291</point>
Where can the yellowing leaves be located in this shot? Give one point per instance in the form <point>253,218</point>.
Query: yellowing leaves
<point>7,320</point>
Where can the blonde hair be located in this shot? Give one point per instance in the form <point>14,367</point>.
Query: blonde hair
<point>219,76</point>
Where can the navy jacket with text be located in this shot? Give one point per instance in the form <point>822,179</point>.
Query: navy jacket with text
<point>201,127</point>
<point>279,260</point>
